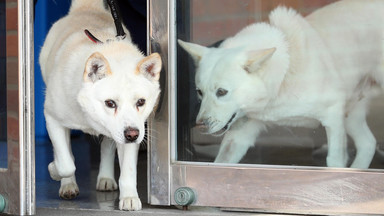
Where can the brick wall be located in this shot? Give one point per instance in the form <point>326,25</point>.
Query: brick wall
<point>12,70</point>
<point>214,20</point>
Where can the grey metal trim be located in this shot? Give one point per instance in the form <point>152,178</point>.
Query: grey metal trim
<point>26,107</point>
<point>282,189</point>
<point>160,132</point>
<point>17,182</point>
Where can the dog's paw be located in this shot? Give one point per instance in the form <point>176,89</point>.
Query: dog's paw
<point>106,184</point>
<point>130,204</point>
<point>69,191</point>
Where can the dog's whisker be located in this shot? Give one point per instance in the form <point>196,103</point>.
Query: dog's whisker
<point>152,131</point>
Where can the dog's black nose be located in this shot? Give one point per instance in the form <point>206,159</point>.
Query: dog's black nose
<point>131,134</point>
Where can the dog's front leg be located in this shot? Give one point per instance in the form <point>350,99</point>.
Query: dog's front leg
<point>106,177</point>
<point>238,139</point>
<point>129,199</point>
<point>63,167</point>
<point>68,188</point>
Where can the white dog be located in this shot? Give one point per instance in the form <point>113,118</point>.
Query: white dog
<point>295,71</point>
<point>101,85</point>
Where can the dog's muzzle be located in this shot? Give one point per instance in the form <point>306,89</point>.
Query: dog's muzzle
<point>131,134</point>
<point>204,126</point>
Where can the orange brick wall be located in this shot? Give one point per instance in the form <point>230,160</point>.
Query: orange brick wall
<point>214,20</point>
<point>12,70</point>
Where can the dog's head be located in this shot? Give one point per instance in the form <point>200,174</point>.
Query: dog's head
<point>230,82</point>
<point>120,89</point>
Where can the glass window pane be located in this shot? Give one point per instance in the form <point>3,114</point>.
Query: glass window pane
<point>203,101</point>
<point>3,88</point>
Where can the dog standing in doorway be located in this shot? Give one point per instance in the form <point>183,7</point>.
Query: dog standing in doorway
<point>99,83</point>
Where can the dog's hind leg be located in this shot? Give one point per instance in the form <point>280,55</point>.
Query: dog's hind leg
<point>336,136</point>
<point>362,136</point>
<point>238,140</point>
<point>63,165</point>
<point>106,177</point>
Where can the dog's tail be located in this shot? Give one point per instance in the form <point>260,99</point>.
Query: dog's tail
<point>96,5</point>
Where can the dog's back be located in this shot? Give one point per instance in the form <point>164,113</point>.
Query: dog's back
<point>362,28</point>
<point>80,5</point>
<point>99,23</point>
<point>348,37</point>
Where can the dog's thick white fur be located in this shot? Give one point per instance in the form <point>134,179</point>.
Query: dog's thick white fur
<point>295,71</point>
<point>105,88</point>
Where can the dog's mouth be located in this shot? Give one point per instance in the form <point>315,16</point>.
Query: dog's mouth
<point>226,126</point>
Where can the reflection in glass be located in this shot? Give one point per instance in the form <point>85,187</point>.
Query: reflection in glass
<point>286,92</point>
<point>3,88</point>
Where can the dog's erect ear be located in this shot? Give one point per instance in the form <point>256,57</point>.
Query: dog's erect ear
<point>256,58</point>
<point>150,66</point>
<point>96,68</point>
<point>195,51</point>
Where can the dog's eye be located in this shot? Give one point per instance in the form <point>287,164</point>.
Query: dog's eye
<point>199,92</point>
<point>140,102</point>
<point>221,92</point>
<point>110,104</point>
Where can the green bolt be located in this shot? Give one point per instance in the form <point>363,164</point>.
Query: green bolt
<point>184,196</point>
<point>3,203</point>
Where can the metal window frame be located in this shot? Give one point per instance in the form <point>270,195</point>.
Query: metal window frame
<point>263,188</point>
<point>17,182</point>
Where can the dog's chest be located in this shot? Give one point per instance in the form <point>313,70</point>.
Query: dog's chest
<point>298,122</point>
<point>79,125</point>
<point>286,119</point>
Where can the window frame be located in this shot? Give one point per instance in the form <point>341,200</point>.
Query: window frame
<point>262,188</point>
